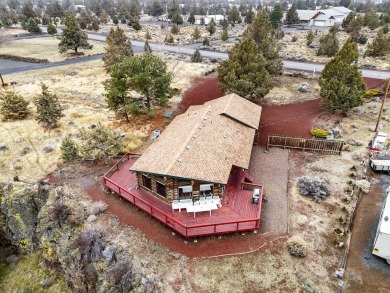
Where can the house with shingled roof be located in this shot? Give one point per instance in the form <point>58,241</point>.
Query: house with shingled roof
<point>195,155</point>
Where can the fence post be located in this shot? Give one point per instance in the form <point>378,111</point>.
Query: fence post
<point>267,142</point>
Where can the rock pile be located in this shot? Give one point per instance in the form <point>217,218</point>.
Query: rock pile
<point>313,186</point>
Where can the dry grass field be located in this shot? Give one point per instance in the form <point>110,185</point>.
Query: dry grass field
<point>44,48</point>
<point>32,152</point>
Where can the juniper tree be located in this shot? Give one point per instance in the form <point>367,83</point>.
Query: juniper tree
<point>69,151</point>
<point>380,46</point>
<point>51,29</point>
<point>292,16</point>
<point>175,29</point>
<point>100,143</point>
<point>276,16</point>
<point>196,34</point>
<point>309,38</point>
<point>118,47</point>
<point>13,106</point>
<point>72,38</point>
<point>224,35</point>
<point>329,45</point>
<point>196,57</point>
<point>49,110</point>
<point>245,73</point>
<point>261,32</point>
<point>33,27</point>
<point>342,86</point>
<point>211,27</point>
<point>206,41</point>
<point>234,15</point>
<point>147,48</point>
<point>146,75</point>
<point>148,36</point>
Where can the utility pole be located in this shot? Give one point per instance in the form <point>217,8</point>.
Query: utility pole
<point>387,82</point>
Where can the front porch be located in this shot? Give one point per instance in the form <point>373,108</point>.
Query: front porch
<point>237,213</point>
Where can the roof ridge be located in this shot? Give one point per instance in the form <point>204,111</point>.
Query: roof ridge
<point>227,104</point>
<point>185,143</point>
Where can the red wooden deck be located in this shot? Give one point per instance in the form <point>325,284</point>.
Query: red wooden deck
<point>236,214</point>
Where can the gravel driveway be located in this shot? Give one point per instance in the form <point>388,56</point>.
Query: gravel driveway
<point>271,170</point>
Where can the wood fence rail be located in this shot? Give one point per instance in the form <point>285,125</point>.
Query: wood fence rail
<point>322,146</point>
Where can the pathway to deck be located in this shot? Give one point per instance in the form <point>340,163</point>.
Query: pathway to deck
<point>236,214</point>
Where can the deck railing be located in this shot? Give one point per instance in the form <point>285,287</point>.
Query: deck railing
<point>183,229</point>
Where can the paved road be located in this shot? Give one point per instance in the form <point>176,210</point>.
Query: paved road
<point>314,68</point>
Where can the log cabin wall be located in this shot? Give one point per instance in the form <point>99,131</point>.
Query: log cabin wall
<point>172,187</point>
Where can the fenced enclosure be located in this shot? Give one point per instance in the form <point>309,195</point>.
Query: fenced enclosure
<point>314,145</point>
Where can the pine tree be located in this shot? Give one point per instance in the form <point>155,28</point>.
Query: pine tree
<point>13,106</point>
<point>118,47</point>
<point>342,86</point>
<point>224,35</point>
<point>276,16</point>
<point>309,38</point>
<point>211,27</point>
<point>380,46</point>
<point>72,38</point>
<point>196,34</point>
<point>69,151</point>
<point>49,110</point>
<point>196,57</point>
<point>329,45</point>
<point>292,16</point>
<point>262,33</point>
<point>147,48</point>
<point>51,29</point>
<point>245,73</point>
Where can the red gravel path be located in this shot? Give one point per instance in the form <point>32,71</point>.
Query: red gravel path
<point>293,119</point>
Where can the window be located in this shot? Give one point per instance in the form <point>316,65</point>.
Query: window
<point>160,188</point>
<point>146,181</point>
<point>185,191</point>
<point>206,189</point>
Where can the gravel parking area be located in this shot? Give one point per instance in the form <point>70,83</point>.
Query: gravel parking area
<point>271,170</point>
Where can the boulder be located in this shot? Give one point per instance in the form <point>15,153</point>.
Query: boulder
<point>297,246</point>
<point>302,220</point>
<point>364,185</point>
<point>313,186</point>
<point>304,87</point>
<point>3,147</point>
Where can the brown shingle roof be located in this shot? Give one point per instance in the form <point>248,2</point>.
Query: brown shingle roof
<point>204,142</point>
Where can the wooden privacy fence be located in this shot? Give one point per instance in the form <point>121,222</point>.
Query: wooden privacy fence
<point>328,147</point>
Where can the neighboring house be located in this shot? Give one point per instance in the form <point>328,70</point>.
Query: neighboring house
<point>194,156</point>
<point>325,17</point>
<point>217,18</point>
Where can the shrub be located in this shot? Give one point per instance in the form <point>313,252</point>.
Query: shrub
<point>59,212</point>
<point>175,29</point>
<point>51,29</point>
<point>319,133</point>
<point>206,41</point>
<point>294,39</point>
<point>69,151</point>
<point>13,106</point>
<point>121,276</point>
<point>196,57</point>
<point>362,39</point>
<point>89,245</point>
<point>297,246</point>
<point>170,39</point>
<point>372,93</point>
